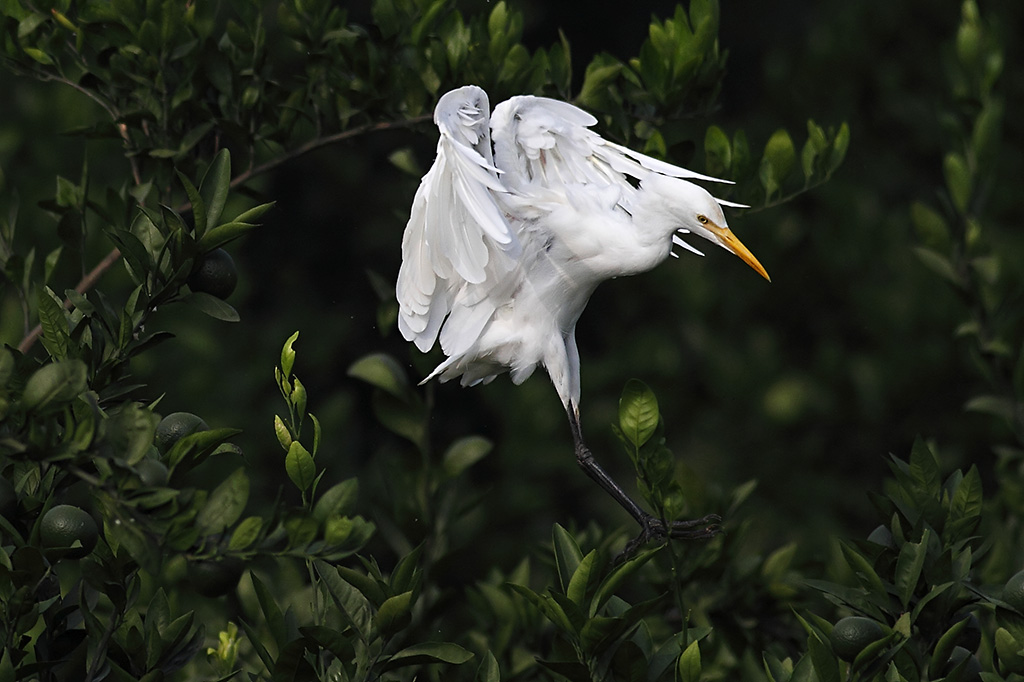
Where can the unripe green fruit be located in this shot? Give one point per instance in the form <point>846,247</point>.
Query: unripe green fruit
<point>214,577</point>
<point>215,274</point>
<point>851,634</point>
<point>176,426</point>
<point>64,524</point>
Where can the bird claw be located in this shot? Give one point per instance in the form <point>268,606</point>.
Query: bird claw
<point>653,528</point>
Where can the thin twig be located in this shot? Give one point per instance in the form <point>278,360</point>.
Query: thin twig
<point>90,279</point>
<point>319,142</point>
<point>83,285</point>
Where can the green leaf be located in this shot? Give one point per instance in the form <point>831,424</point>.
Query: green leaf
<point>211,305</point>
<point>1009,650</point>
<point>284,436</point>
<point>130,430</point>
<point>551,609</point>
<point>777,161</point>
<point>352,604</point>
<point>394,614</point>
<point>255,638</point>
<point>198,207</point>
<point>253,214</point>
<point>300,466</point>
<point>825,663</point>
<point>862,568</point>
<point>215,186</point>
<point>807,156</point>
<point>406,418</point>
<point>407,573</point>
<point>366,585</point>
<point>924,472</point>
<point>464,453</point>
<point>596,80</point>
<point>616,577</point>
<point>839,147</point>
<point>385,16</point>
<point>638,412</point>
<point>39,56</point>
<point>944,647</point>
<point>987,131</point>
<point>384,372</point>
<point>225,504</point>
<point>7,673</point>
<point>931,228</point>
<point>317,433</point>
<point>776,670</point>
<point>489,670</point>
<point>567,554</point>
<point>968,498</point>
<point>338,500</point>
<point>584,574</point>
<point>222,234</point>
<point>54,322</point>
<point>939,264</point>
<point>909,565</point>
<point>958,180</point>
<point>995,405</point>
<point>689,666</point>
<point>717,152</point>
<point>272,616</point>
<point>54,384</point>
<point>429,652</point>
<point>68,195</point>
<point>247,532</point>
<point>194,448</point>
<point>288,355</point>
<point>298,396</point>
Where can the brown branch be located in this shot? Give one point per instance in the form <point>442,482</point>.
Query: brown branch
<point>90,279</point>
<point>83,285</point>
<point>319,142</point>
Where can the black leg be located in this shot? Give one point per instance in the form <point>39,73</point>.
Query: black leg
<point>651,527</point>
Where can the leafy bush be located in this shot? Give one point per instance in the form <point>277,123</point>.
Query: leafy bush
<point>139,543</point>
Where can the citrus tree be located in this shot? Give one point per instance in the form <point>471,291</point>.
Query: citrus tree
<point>139,542</point>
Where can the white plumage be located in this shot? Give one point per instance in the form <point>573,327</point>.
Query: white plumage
<point>503,250</point>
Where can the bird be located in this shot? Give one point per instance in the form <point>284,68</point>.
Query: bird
<point>523,213</point>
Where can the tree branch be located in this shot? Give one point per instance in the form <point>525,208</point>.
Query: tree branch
<point>90,279</point>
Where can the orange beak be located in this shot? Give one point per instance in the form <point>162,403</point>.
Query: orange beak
<point>732,243</point>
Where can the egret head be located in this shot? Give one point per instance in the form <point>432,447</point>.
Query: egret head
<point>682,208</point>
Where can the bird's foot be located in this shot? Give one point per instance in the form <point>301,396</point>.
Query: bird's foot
<point>653,528</point>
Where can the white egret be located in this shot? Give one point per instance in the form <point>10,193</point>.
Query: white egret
<point>504,248</point>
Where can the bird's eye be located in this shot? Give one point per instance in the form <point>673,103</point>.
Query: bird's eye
<point>702,219</point>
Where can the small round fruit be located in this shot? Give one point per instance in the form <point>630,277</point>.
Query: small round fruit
<point>8,499</point>
<point>1013,591</point>
<point>214,274</point>
<point>215,577</point>
<point>152,472</point>
<point>63,525</point>
<point>176,426</point>
<point>851,634</point>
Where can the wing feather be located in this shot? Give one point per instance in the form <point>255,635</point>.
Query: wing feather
<point>458,243</point>
<point>541,142</point>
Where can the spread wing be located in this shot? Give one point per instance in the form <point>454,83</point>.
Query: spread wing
<point>458,244</point>
<point>545,143</point>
